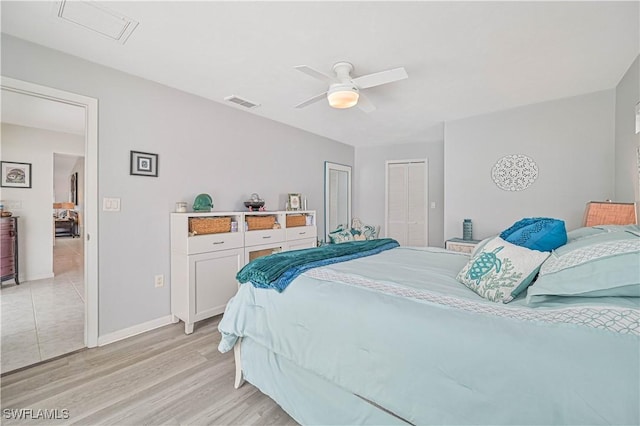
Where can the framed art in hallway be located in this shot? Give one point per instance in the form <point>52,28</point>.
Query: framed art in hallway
<point>144,164</point>
<point>15,175</point>
<point>73,188</point>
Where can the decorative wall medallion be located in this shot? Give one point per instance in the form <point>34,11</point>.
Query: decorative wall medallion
<point>514,172</point>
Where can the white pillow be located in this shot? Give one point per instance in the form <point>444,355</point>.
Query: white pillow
<point>500,271</point>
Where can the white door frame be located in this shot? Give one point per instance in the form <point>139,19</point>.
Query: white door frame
<point>426,193</point>
<point>90,106</point>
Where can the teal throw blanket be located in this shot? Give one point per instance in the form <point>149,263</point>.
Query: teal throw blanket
<point>278,270</point>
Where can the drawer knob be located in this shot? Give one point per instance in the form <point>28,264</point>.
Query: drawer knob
<point>218,242</point>
<point>301,233</point>
<point>267,236</point>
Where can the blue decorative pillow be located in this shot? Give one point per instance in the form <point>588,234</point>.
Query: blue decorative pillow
<point>537,233</point>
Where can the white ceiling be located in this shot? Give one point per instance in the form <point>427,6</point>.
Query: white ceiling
<point>463,58</point>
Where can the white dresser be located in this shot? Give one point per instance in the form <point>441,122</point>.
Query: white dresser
<point>204,267</point>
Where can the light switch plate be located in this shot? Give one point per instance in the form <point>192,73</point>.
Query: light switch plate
<point>111,204</point>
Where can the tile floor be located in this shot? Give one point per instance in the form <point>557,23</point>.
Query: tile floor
<point>45,318</point>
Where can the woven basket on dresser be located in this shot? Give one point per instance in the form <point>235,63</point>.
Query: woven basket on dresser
<point>209,225</point>
<point>260,222</point>
<point>294,220</point>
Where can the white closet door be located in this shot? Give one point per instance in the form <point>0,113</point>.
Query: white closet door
<point>397,203</point>
<point>416,205</point>
<point>407,202</point>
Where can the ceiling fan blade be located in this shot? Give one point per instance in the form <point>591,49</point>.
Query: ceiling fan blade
<point>309,101</point>
<point>382,77</point>
<point>365,104</point>
<point>315,74</point>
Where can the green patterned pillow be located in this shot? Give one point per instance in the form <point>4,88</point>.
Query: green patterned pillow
<point>501,270</point>
<point>340,236</point>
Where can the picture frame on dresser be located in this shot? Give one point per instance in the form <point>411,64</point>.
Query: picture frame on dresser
<point>15,174</point>
<point>294,202</point>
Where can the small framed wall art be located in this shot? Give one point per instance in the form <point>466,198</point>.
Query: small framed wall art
<point>15,175</point>
<point>144,164</point>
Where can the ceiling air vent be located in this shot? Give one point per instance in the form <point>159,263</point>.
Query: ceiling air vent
<point>240,101</point>
<point>97,18</point>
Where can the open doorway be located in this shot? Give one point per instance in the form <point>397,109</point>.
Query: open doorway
<point>58,286</point>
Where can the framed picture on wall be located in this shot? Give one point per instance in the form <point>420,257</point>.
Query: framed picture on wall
<point>144,164</point>
<point>73,188</point>
<point>15,175</point>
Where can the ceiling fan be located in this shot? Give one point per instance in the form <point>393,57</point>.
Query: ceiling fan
<point>345,91</point>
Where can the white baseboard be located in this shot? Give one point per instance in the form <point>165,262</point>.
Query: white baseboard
<point>132,331</point>
<point>34,277</point>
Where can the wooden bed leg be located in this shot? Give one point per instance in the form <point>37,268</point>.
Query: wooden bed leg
<point>236,355</point>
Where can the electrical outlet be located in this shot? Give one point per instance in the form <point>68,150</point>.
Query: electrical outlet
<point>159,281</point>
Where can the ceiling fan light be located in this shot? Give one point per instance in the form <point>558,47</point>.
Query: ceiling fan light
<point>343,98</point>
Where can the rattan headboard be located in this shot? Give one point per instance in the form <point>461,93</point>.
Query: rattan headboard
<point>609,213</point>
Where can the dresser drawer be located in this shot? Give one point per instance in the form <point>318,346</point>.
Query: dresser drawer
<point>214,242</point>
<point>267,236</point>
<point>7,225</point>
<point>7,268</point>
<point>300,232</point>
<point>461,246</point>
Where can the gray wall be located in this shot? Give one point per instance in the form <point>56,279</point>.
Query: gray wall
<point>203,146</point>
<point>627,141</point>
<point>572,141</point>
<point>369,183</point>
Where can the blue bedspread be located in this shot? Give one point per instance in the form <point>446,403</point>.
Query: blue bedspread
<point>398,330</point>
<point>276,271</point>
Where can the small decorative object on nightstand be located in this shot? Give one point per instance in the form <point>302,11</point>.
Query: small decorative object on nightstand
<point>467,230</point>
<point>460,245</point>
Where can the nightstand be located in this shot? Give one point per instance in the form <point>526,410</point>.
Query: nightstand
<point>460,245</point>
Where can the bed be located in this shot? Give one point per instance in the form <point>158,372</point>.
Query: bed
<point>395,338</point>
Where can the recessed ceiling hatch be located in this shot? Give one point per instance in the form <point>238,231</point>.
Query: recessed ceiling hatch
<point>97,18</point>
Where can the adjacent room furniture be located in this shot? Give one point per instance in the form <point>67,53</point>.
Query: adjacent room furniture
<point>65,220</point>
<point>460,245</point>
<point>9,249</point>
<point>206,255</point>
<point>66,227</point>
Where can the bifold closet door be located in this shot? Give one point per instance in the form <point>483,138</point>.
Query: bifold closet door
<point>406,209</point>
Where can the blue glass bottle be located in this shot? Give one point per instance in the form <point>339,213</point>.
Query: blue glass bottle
<point>467,230</point>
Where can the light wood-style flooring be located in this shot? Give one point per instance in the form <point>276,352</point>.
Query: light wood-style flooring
<point>160,377</point>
